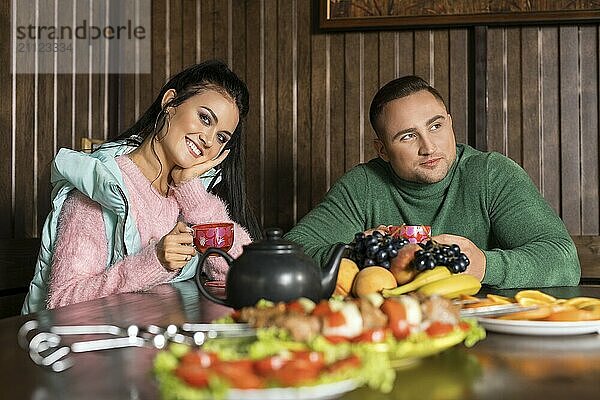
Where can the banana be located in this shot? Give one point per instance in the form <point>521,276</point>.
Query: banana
<point>453,286</point>
<point>424,278</point>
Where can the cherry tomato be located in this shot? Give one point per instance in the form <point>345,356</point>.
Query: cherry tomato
<point>376,335</point>
<point>201,358</point>
<point>297,371</point>
<point>313,357</point>
<point>235,315</point>
<point>246,380</point>
<point>351,362</point>
<point>193,375</point>
<point>464,326</point>
<point>321,309</point>
<point>295,306</point>
<point>239,374</point>
<point>337,339</point>
<point>396,314</point>
<point>438,328</point>
<point>244,364</point>
<point>267,365</point>
<point>335,319</point>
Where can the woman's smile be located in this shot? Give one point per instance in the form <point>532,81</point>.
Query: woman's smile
<point>193,148</point>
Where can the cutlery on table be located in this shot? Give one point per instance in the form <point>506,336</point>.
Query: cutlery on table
<point>45,347</point>
<point>494,310</point>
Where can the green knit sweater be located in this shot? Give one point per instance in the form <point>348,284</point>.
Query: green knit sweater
<point>485,197</point>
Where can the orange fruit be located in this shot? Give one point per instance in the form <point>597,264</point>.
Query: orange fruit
<point>533,298</point>
<point>571,314</point>
<point>497,299</point>
<point>535,314</point>
<point>345,278</point>
<point>373,280</point>
<point>582,302</point>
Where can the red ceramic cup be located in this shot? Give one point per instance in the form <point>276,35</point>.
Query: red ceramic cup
<point>219,234</point>
<point>413,233</point>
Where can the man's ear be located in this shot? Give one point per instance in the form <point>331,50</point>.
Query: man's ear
<point>380,149</point>
<point>167,97</point>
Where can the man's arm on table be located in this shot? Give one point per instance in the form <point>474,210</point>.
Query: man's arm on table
<point>535,249</point>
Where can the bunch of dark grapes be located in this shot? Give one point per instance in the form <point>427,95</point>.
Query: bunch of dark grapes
<point>433,254</point>
<point>375,249</point>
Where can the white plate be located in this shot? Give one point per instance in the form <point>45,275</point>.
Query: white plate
<point>540,328</point>
<point>318,392</point>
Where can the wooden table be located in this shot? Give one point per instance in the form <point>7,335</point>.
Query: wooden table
<point>500,367</point>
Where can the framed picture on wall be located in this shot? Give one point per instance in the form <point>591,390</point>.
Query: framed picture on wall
<point>397,14</point>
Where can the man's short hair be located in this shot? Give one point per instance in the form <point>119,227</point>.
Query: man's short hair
<point>396,89</point>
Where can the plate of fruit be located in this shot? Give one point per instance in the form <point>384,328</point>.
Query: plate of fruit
<point>542,314</point>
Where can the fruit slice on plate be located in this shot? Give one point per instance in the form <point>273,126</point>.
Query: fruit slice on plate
<point>573,314</point>
<point>539,313</point>
<point>582,302</point>
<point>497,299</point>
<point>534,297</point>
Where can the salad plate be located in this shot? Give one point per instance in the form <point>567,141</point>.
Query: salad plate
<point>540,328</point>
<point>317,392</point>
<point>306,350</point>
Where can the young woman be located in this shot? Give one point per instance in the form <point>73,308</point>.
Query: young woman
<point>120,214</point>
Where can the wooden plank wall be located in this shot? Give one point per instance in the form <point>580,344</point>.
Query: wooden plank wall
<point>529,92</point>
<point>542,111</point>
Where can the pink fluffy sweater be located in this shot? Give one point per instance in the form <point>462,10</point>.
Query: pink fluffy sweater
<point>79,270</point>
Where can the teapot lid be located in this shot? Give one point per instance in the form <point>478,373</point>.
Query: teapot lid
<point>274,242</point>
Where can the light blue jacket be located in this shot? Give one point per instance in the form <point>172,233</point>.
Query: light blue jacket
<point>97,176</point>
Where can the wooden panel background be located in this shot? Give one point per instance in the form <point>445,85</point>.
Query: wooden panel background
<point>528,92</point>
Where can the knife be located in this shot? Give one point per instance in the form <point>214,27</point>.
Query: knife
<point>493,311</point>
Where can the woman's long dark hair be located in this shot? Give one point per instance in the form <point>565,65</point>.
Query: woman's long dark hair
<point>208,75</point>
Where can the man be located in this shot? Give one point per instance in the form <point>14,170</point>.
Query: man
<point>484,202</point>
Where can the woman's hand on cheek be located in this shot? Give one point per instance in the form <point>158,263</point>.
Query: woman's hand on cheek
<point>181,175</point>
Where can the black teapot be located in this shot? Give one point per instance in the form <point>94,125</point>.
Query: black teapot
<point>273,269</point>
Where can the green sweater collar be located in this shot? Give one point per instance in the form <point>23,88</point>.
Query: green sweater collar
<point>425,190</point>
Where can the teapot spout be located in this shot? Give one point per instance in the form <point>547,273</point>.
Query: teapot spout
<point>330,270</point>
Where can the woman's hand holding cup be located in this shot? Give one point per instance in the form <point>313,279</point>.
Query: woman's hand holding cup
<point>175,249</point>
<point>215,234</point>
